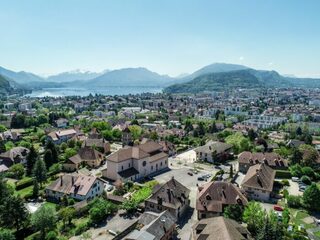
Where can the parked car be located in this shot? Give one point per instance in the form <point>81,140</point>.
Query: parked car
<point>110,188</point>
<point>277,208</point>
<point>190,173</point>
<point>201,179</point>
<point>295,179</point>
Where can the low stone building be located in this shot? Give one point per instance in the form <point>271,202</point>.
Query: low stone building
<point>171,196</point>
<point>213,197</point>
<point>247,159</point>
<point>13,156</point>
<point>258,182</point>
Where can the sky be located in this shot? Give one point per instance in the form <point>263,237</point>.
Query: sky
<point>166,36</point>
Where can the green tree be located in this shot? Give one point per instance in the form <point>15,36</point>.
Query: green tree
<point>234,212</point>
<point>32,157</point>
<point>40,171</point>
<point>6,234</point>
<point>44,219</point>
<point>17,171</point>
<point>136,131</point>
<point>154,136</point>
<point>13,212</point>
<point>296,156</point>
<point>251,135</point>
<point>66,215</point>
<point>310,155</point>
<point>35,190</point>
<point>254,216</point>
<point>48,158</point>
<point>311,197</point>
<point>50,145</point>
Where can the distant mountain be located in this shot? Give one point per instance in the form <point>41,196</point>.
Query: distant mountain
<point>20,77</point>
<point>213,68</point>
<point>9,87</point>
<point>74,75</point>
<point>130,77</point>
<point>246,78</point>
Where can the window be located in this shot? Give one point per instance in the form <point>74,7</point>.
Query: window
<point>129,165</point>
<point>144,163</point>
<point>121,167</point>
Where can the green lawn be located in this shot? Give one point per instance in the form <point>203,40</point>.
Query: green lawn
<point>25,191</point>
<point>298,216</point>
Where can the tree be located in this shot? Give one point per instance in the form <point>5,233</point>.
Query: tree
<point>130,205</point>
<point>298,131</point>
<point>2,128</point>
<point>44,219</point>
<point>6,234</point>
<point>310,154</point>
<point>311,197</point>
<point>17,170</point>
<point>136,131</point>
<point>32,157</point>
<point>48,158</point>
<point>154,136</point>
<point>66,215</point>
<point>213,127</point>
<point>234,212</point>
<point>294,201</point>
<point>296,156</point>
<point>251,134</point>
<point>40,171</point>
<point>100,210</point>
<point>35,190</point>
<point>254,216</point>
<point>50,145</point>
<point>13,212</point>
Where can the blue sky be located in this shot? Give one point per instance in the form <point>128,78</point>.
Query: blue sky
<point>166,36</point>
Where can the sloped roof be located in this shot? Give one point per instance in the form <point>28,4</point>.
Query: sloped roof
<point>219,228</point>
<point>171,193</point>
<point>86,154</point>
<point>214,195</point>
<point>214,146</point>
<point>259,176</point>
<point>271,159</point>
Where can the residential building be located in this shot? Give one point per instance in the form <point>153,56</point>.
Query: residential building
<point>77,186</point>
<point>61,123</point>
<point>171,196</point>
<point>213,197</point>
<point>153,226</point>
<point>61,136</point>
<point>134,163</point>
<point>86,155</point>
<point>258,182</point>
<point>13,156</point>
<point>213,152</point>
<point>247,159</point>
<point>219,228</point>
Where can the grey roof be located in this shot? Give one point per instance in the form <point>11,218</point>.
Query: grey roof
<point>212,146</point>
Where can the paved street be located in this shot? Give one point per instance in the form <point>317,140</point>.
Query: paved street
<point>293,189</point>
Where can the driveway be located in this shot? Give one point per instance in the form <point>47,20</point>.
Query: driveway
<point>293,189</point>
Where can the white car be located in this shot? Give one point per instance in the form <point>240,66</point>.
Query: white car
<point>295,179</point>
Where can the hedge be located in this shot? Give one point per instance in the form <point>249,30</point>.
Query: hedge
<point>283,174</point>
<point>23,183</point>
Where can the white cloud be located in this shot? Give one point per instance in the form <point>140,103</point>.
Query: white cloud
<point>241,58</point>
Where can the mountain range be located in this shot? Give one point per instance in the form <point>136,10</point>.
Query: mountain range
<point>214,77</point>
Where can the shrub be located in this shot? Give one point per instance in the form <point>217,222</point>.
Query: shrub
<point>82,227</point>
<point>23,183</point>
<point>52,235</point>
<point>283,174</point>
<point>285,182</point>
<point>306,180</point>
<point>294,201</point>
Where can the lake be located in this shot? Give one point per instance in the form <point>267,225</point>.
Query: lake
<point>60,92</point>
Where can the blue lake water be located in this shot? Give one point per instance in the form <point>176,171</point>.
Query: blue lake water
<point>60,92</point>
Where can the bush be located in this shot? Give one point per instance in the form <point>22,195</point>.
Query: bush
<point>82,227</point>
<point>294,201</point>
<point>308,171</point>
<point>285,182</point>
<point>52,235</point>
<point>23,183</point>
<point>306,180</point>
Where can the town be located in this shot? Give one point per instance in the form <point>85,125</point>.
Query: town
<point>238,164</point>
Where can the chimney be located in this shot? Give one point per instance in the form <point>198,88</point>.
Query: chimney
<point>169,195</point>
<point>72,180</point>
<point>61,181</point>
